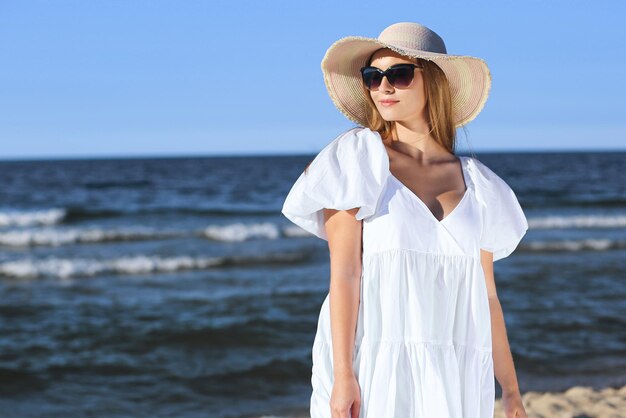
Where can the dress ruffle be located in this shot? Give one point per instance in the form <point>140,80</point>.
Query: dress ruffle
<point>350,172</point>
<point>504,222</point>
<point>411,379</point>
<point>423,341</point>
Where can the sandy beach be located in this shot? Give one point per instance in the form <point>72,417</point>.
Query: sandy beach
<point>576,402</point>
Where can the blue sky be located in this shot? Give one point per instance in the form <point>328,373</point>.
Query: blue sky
<point>130,78</point>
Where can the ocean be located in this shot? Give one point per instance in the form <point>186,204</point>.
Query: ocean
<point>175,287</point>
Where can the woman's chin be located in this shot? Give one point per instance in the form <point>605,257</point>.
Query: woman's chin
<point>388,115</point>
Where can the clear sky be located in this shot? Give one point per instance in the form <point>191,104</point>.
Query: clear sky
<point>130,78</point>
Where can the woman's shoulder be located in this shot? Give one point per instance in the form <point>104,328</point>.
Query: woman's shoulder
<point>349,172</point>
<point>489,185</point>
<point>504,221</point>
<point>354,140</point>
<point>356,150</point>
<point>481,172</point>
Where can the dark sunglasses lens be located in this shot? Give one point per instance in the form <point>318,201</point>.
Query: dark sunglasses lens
<point>371,78</point>
<point>401,77</point>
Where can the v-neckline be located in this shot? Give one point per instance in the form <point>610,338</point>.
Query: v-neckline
<point>425,206</point>
<point>466,180</point>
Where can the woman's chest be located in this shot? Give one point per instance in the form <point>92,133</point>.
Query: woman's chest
<point>402,220</point>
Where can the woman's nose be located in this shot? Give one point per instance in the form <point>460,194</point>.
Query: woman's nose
<point>385,84</point>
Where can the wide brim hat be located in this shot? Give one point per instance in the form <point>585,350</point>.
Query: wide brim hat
<point>469,77</point>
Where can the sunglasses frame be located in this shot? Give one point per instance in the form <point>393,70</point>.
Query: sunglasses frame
<point>387,72</point>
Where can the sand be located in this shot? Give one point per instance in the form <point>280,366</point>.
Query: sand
<point>576,402</point>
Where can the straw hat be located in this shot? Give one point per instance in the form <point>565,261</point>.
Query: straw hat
<point>469,77</point>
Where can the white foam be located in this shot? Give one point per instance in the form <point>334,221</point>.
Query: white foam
<point>30,267</point>
<point>575,245</point>
<point>30,218</point>
<point>238,232</point>
<point>294,231</point>
<point>56,236</point>
<point>578,221</point>
<point>66,268</point>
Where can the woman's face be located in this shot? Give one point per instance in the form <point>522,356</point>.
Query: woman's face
<point>409,103</point>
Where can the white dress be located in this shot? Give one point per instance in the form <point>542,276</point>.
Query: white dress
<point>423,335</point>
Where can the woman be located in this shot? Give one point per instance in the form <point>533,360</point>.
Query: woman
<point>411,326</point>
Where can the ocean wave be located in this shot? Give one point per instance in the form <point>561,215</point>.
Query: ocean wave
<point>577,221</point>
<point>293,231</point>
<point>50,216</point>
<point>575,245</point>
<point>238,232</point>
<point>63,268</point>
<point>57,237</point>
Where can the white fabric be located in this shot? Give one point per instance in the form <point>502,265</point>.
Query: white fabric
<point>348,173</point>
<point>504,223</point>
<point>423,335</point>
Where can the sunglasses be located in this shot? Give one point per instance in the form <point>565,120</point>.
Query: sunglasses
<point>399,76</point>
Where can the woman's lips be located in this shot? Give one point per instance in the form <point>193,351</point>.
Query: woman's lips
<point>387,103</point>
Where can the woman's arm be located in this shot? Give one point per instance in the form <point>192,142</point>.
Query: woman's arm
<point>502,358</point>
<point>344,244</point>
<point>504,368</point>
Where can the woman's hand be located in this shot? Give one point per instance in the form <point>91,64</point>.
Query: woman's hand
<point>345,400</point>
<point>512,405</point>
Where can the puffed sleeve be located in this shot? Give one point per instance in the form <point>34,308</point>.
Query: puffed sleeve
<point>349,172</point>
<point>503,220</point>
